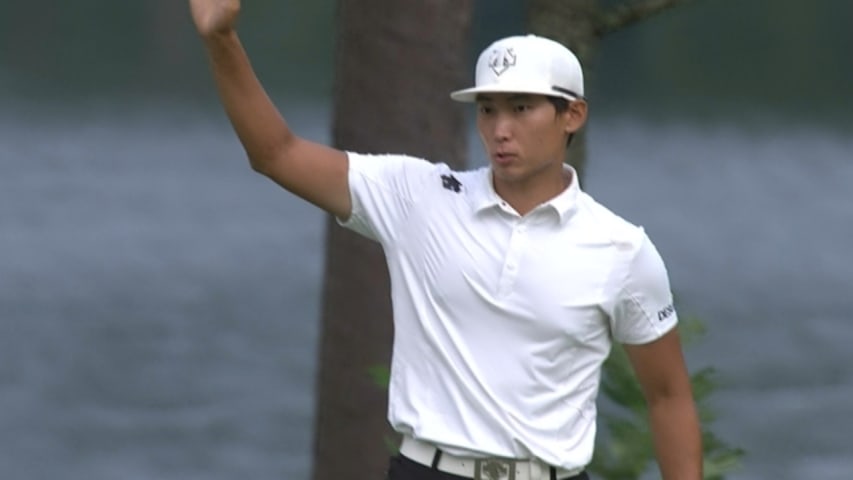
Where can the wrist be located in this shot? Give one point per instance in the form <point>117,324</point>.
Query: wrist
<point>219,37</point>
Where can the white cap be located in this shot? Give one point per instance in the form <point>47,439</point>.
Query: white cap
<point>526,64</point>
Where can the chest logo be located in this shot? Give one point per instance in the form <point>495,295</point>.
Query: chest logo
<point>451,183</point>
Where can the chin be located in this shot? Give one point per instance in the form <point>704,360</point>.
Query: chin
<point>507,173</point>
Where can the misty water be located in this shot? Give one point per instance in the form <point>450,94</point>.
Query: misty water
<point>159,301</point>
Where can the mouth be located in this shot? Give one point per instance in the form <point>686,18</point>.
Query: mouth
<point>504,158</point>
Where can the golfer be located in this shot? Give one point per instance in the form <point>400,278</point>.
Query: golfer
<point>509,283</point>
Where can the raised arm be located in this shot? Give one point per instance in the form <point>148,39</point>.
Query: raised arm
<point>315,172</point>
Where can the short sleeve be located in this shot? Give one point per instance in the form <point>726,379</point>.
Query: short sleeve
<point>382,190</point>
<point>642,309</point>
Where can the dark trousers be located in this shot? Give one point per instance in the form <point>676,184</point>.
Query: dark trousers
<point>401,468</point>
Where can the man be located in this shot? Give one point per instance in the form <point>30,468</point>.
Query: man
<point>508,282</point>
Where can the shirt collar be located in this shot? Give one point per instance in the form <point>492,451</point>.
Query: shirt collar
<point>563,204</point>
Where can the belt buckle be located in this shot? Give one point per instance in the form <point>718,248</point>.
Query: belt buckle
<point>494,469</point>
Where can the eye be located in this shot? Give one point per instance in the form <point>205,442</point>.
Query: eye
<point>522,107</point>
<point>485,109</point>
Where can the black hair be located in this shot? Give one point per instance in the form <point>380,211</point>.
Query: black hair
<point>561,105</point>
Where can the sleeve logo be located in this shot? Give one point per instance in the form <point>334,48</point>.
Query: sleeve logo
<point>666,312</point>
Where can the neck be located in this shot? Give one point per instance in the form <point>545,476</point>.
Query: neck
<point>526,194</point>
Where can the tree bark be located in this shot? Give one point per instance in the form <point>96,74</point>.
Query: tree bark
<point>167,34</point>
<point>396,63</point>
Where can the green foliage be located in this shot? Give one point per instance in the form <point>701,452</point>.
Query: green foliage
<point>380,374</point>
<point>624,450</point>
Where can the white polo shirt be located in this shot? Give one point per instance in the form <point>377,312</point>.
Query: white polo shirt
<point>502,321</point>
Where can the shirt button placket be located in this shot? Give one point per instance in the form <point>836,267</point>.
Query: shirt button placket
<point>511,265</point>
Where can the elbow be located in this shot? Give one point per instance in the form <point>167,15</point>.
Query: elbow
<point>259,165</point>
<point>266,159</point>
<point>262,166</point>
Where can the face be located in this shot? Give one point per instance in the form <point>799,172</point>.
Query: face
<point>524,135</point>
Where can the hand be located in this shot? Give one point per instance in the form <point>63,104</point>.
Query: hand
<point>214,16</point>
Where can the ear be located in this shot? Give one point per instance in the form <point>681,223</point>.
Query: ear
<point>575,116</point>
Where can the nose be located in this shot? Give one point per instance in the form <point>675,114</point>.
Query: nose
<point>502,128</point>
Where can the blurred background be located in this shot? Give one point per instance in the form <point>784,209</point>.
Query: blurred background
<point>159,302</point>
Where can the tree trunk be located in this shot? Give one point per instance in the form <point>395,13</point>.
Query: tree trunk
<point>167,31</point>
<point>396,63</point>
<point>167,35</point>
<point>572,23</point>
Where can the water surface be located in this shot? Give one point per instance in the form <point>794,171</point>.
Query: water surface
<point>159,301</point>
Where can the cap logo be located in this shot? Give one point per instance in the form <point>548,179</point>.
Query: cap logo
<point>501,60</point>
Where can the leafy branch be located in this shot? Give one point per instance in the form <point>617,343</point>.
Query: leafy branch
<point>624,450</point>
<point>629,13</point>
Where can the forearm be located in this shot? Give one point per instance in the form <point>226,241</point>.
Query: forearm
<point>677,437</point>
<point>258,124</point>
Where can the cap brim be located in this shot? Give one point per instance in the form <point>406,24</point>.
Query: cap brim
<point>469,95</point>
